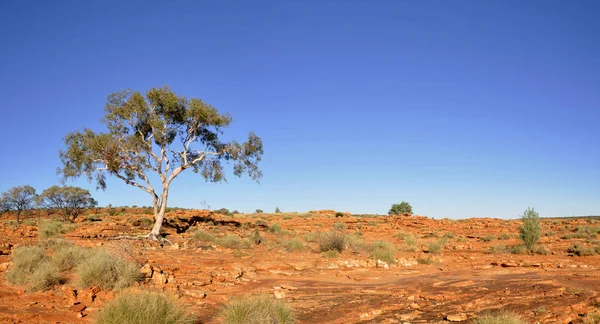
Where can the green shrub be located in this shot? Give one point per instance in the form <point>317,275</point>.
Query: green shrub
<point>502,317</point>
<point>425,261</point>
<point>449,235</point>
<point>312,237</point>
<point>331,254</point>
<point>400,235</point>
<point>275,228</point>
<point>332,240</point>
<point>233,242</point>
<point>504,236</point>
<point>277,210</point>
<point>497,249</point>
<point>384,251</point>
<point>223,211</point>
<point>339,226</point>
<point>138,307</point>
<point>203,236</point>
<point>401,208</point>
<point>67,257</point>
<point>531,229</point>
<point>355,242</point>
<point>436,247</point>
<point>146,222</point>
<point>293,245</point>
<point>410,243</point>
<point>107,271</point>
<point>339,214</point>
<point>50,228</point>
<point>488,238</point>
<point>45,276</point>
<point>581,250</point>
<point>261,309</point>
<point>25,260</point>
<point>259,211</point>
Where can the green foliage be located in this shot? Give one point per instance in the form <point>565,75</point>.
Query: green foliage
<point>277,210</point>
<point>339,214</point>
<point>582,250</point>
<point>384,251</point>
<point>531,229</point>
<point>355,242</point>
<point>339,226</point>
<point>401,208</point>
<point>312,237</point>
<point>141,129</point>
<point>261,309</point>
<point>293,245</point>
<point>488,238</point>
<point>140,307</point>
<point>68,256</point>
<point>69,202</point>
<point>18,199</point>
<point>223,211</point>
<point>331,254</point>
<point>275,228</point>
<point>203,236</point>
<point>107,271</point>
<point>436,247</point>
<point>333,240</point>
<point>25,260</point>
<point>232,242</point>
<point>498,249</point>
<point>504,236</point>
<point>51,228</point>
<point>400,235</point>
<point>410,243</point>
<point>502,317</point>
<point>259,211</point>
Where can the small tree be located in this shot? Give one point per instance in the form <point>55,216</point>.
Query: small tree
<point>259,211</point>
<point>18,199</point>
<point>531,228</point>
<point>401,208</point>
<point>277,211</point>
<point>69,202</point>
<point>163,134</point>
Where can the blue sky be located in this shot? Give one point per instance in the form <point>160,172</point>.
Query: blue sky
<point>462,108</point>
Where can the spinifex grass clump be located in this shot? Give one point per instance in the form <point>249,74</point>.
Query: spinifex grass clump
<point>107,271</point>
<point>260,309</point>
<point>333,240</point>
<point>139,307</point>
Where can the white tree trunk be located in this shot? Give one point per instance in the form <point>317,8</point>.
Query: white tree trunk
<point>159,216</point>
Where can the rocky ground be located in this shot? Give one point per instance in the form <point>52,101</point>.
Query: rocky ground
<point>473,272</point>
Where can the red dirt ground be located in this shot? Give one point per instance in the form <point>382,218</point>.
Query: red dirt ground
<point>464,279</point>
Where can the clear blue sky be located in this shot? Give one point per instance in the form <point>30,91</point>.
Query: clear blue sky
<point>463,108</point>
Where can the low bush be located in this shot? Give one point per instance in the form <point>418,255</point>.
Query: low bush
<point>497,249</point>
<point>259,211</point>
<point>505,236</point>
<point>203,236</point>
<point>68,256</point>
<point>275,228</point>
<point>449,235</point>
<point>331,254</point>
<point>410,243</point>
<point>233,242</point>
<point>502,317</point>
<point>531,228</point>
<point>25,260</point>
<point>339,226</point>
<point>50,228</point>
<point>355,242</point>
<point>312,237</point>
<point>425,261</point>
<point>107,271</point>
<point>333,240</point>
<point>436,247</point>
<point>262,309</point>
<point>293,245</point>
<point>384,251</point>
<point>138,307</point>
<point>488,238</point>
<point>582,250</point>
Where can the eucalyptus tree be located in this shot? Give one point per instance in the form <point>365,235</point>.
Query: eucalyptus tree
<point>18,199</point>
<point>160,133</point>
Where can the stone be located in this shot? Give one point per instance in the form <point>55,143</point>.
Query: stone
<point>147,270</point>
<point>279,293</point>
<point>78,307</point>
<point>382,264</point>
<point>159,278</point>
<point>509,264</point>
<point>456,317</point>
<point>415,306</point>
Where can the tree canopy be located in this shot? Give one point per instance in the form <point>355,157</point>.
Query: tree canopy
<point>18,199</point>
<point>68,201</point>
<point>161,133</point>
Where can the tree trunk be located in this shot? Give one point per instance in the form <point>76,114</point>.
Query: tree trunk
<point>18,217</point>
<point>159,216</point>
